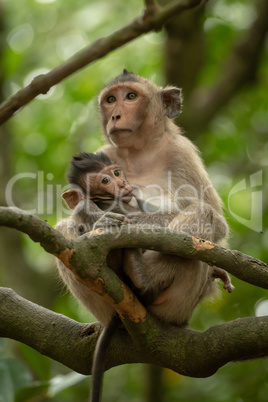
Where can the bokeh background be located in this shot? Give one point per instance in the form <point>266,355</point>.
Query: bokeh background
<point>193,52</point>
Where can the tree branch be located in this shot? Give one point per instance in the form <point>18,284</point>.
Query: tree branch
<point>187,352</point>
<point>86,256</point>
<point>39,231</point>
<point>153,18</point>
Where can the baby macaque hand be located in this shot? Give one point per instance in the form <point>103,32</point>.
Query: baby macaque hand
<point>111,219</point>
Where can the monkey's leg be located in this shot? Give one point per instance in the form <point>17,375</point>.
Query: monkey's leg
<point>222,274</point>
<point>191,281</point>
<point>188,281</point>
<point>134,268</point>
<point>139,269</point>
<point>201,220</point>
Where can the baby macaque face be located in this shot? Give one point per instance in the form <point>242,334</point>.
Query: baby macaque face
<point>109,183</point>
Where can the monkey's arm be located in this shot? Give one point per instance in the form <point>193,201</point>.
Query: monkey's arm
<point>157,218</point>
<point>197,219</point>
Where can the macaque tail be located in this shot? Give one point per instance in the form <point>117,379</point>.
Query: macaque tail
<point>99,359</point>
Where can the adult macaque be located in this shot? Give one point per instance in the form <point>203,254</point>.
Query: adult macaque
<point>166,170</point>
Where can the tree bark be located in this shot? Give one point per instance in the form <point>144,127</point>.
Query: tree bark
<point>86,256</point>
<point>187,352</point>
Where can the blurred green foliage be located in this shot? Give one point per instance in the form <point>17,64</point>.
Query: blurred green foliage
<point>38,36</point>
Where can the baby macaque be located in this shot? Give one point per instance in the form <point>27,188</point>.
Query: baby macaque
<point>98,183</point>
<point>96,177</point>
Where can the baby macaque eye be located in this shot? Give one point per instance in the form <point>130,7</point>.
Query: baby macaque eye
<point>131,95</point>
<point>117,173</point>
<point>105,180</point>
<point>111,99</point>
<point>81,229</point>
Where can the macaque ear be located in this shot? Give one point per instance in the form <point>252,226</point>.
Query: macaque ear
<point>172,101</point>
<point>72,197</point>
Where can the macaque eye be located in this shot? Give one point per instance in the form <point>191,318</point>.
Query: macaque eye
<point>131,96</point>
<point>117,173</point>
<point>81,229</point>
<point>111,99</point>
<point>105,180</point>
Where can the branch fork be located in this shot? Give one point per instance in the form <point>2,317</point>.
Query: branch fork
<point>143,342</point>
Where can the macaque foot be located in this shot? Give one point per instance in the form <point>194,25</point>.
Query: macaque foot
<point>224,277</point>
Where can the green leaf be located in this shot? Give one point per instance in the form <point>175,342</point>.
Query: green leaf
<point>28,392</point>
<point>13,376</point>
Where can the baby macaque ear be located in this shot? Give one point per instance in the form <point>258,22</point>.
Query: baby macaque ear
<point>172,101</point>
<point>72,197</point>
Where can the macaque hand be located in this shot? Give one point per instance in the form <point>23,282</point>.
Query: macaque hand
<point>111,219</point>
<point>135,217</point>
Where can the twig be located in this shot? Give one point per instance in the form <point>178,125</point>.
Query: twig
<point>145,23</point>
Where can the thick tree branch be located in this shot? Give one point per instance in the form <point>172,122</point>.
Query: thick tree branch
<point>39,231</point>
<point>153,18</point>
<point>239,69</point>
<point>86,257</point>
<point>188,352</point>
<point>94,246</point>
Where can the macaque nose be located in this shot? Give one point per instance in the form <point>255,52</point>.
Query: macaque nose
<point>116,117</point>
<point>125,185</point>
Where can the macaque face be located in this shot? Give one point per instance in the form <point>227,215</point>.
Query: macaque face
<point>124,110</point>
<point>109,183</point>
